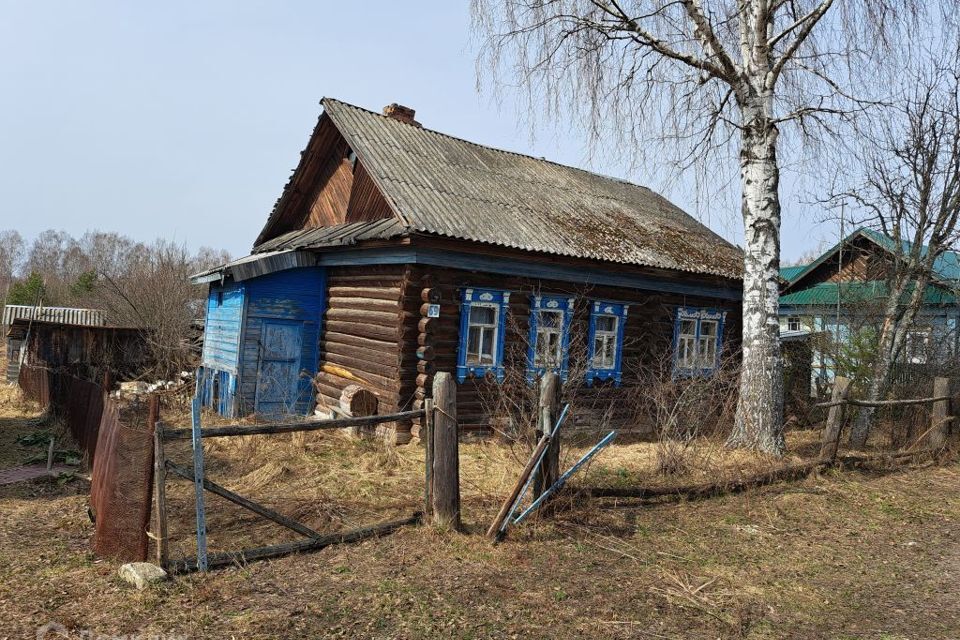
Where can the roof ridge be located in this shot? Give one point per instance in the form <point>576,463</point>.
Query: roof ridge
<point>491,148</point>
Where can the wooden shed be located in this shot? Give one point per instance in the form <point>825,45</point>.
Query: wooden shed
<point>422,252</point>
<point>82,350</point>
<point>64,315</point>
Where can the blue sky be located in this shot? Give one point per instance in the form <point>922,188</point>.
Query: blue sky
<point>184,119</point>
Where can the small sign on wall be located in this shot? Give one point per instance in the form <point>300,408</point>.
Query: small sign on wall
<point>433,311</point>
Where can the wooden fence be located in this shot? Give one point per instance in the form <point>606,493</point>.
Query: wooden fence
<point>441,480</point>
<point>941,420</point>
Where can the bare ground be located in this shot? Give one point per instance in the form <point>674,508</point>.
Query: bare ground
<point>846,555</point>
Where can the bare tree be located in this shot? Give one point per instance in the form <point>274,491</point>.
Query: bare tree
<point>149,288</point>
<point>11,255</point>
<point>909,190</point>
<point>711,76</point>
<point>56,257</point>
<point>139,285</point>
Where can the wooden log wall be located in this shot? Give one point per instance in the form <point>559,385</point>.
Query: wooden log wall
<point>369,334</point>
<point>648,337</point>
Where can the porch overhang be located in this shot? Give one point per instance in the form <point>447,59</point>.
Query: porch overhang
<point>256,265</point>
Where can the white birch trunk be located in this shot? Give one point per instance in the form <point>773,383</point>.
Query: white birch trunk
<point>759,418</point>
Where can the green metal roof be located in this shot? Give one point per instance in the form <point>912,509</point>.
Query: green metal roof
<point>789,273</point>
<point>946,268</point>
<point>825,294</point>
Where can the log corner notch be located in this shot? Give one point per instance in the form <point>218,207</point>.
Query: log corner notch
<point>446,453</point>
<point>425,352</point>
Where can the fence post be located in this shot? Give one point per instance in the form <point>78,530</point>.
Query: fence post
<point>939,416</point>
<point>549,401</point>
<point>426,436</point>
<point>446,454</point>
<point>197,440</point>
<point>159,482</point>
<point>831,431</point>
<point>107,381</point>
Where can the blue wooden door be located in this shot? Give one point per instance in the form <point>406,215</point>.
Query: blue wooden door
<point>278,372</point>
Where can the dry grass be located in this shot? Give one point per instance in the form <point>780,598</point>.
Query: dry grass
<point>843,556</point>
<point>18,418</point>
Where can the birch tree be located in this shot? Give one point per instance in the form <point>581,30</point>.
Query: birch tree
<point>709,76</point>
<point>910,191</point>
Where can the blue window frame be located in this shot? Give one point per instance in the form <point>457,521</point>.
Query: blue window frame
<point>605,341</point>
<point>482,320</point>
<point>697,340</point>
<point>549,343</point>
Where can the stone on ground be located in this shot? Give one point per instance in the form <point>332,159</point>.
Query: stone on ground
<point>142,574</point>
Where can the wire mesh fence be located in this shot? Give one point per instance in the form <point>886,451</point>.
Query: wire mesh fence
<point>117,445</point>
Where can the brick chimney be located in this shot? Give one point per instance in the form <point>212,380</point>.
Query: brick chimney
<point>401,113</point>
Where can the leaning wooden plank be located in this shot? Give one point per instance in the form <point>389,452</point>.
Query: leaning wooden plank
<point>290,427</point>
<point>554,433</point>
<point>186,565</point>
<point>259,509</point>
<point>427,439</point>
<point>556,486</point>
<point>494,531</point>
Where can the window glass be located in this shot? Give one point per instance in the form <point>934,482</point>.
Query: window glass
<point>483,315</point>
<point>481,334</point>
<point>793,323</point>
<point>687,356</point>
<point>698,337</point>
<point>917,343</point>
<point>605,342</point>
<point>707,345</point>
<point>547,351</point>
<point>607,324</point>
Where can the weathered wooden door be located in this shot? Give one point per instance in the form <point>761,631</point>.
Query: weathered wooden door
<point>278,372</point>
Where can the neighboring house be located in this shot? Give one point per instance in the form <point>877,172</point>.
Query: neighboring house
<point>395,252</point>
<point>14,312</point>
<point>844,290</point>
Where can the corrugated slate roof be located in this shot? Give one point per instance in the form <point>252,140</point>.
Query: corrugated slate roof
<point>442,185</point>
<point>65,315</point>
<point>286,250</point>
<point>341,235</point>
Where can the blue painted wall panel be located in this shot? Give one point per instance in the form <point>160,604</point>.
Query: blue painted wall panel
<point>221,336</point>
<point>221,348</point>
<point>297,295</point>
<point>218,390</point>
